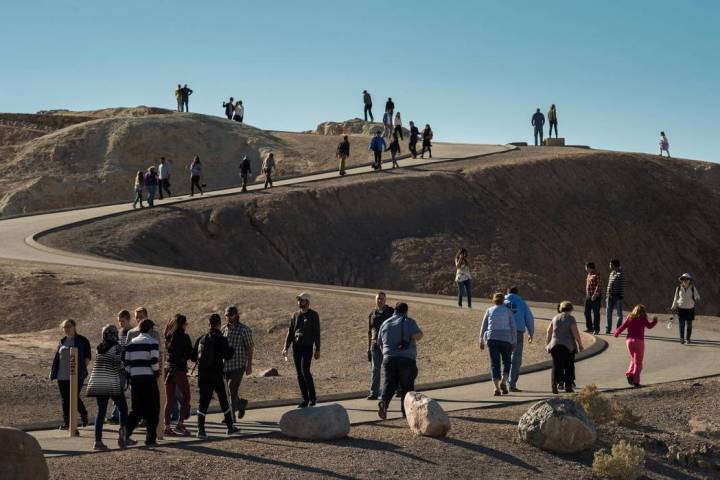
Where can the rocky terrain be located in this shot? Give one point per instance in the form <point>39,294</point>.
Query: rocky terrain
<point>354,126</point>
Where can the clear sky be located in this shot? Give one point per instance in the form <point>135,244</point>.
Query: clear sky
<point>619,71</point>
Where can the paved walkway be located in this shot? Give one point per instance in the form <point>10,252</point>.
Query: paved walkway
<point>665,360</point>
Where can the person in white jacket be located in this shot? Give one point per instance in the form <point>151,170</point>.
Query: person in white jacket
<point>268,167</point>
<point>397,123</point>
<point>684,301</point>
<point>239,113</point>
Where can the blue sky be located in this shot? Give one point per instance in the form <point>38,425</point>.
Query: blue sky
<point>618,71</point>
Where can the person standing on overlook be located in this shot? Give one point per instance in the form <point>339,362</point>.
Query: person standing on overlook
<point>387,124</point>
<point>538,121</point>
<point>367,102</point>
<point>185,93</point>
<point>377,317</point>
<point>229,108</point>
<point>239,113</point>
<point>664,144</point>
<point>342,153</point>
<point>304,333</point>
<point>552,119</point>
<point>390,106</point>
<point>178,97</point>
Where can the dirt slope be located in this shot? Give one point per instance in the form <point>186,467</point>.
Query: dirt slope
<point>529,218</point>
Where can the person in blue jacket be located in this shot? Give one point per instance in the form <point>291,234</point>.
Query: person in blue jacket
<point>377,146</point>
<point>524,320</point>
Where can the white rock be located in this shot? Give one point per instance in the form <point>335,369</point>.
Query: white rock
<point>425,416</point>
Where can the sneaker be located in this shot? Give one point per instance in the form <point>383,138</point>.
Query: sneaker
<point>112,421</point>
<point>201,434</point>
<point>232,429</point>
<point>382,410</point>
<point>100,447</point>
<point>688,341</point>
<point>682,340</point>
<point>168,431</point>
<point>372,396</point>
<point>129,442</point>
<point>629,379</point>
<point>515,389</point>
<point>241,408</point>
<point>607,332</point>
<point>182,431</point>
<point>554,389</point>
<point>497,393</point>
<point>302,404</point>
<point>504,388</point>
<point>596,332</point>
<point>151,444</point>
<point>313,403</point>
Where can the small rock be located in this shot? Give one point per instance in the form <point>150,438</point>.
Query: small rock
<point>327,422</point>
<point>270,372</point>
<point>425,416</point>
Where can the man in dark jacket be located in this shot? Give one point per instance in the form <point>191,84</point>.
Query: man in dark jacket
<point>538,121</point>
<point>343,152</point>
<point>377,146</point>
<point>244,172</point>
<point>303,334</point>
<point>378,315</point>
<point>390,106</point>
<point>209,354</point>
<point>229,108</point>
<point>414,133</point>
<point>185,93</point>
<point>367,102</point>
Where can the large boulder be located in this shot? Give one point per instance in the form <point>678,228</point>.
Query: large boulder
<point>355,126</point>
<point>20,456</point>
<point>425,416</point>
<point>327,422</point>
<point>557,425</point>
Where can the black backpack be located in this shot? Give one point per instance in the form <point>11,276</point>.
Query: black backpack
<point>207,355</point>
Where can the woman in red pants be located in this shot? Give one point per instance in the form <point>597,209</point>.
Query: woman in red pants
<point>635,324</point>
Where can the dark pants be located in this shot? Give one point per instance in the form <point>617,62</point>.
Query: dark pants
<point>234,379</point>
<point>102,404</point>
<point>209,383</point>
<point>398,131</point>
<point>563,366</point>
<point>237,118</point>
<point>195,182</point>
<point>164,183</point>
<point>413,146</point>
<point>244,177</point>
<point>685,319</point>
<point>64,387</point>
<point>268,179</point>
<point>465,285</point>
<point>184,105</point>
<point>538,133</point>
<point>400,374</point>
<point>592,314</point>
<point>378,160</point>
<point>368,111</point>
<point>553,124</point>
<point>614,304</point>
<point>145,398</point>
<point>303,358</point>
<point>500,352</point>
<point>427,146</point>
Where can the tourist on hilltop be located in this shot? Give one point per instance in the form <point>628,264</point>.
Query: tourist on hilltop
<point>268,168</point>
<point>397,126</point>
<point>179,348</point>
<point>463,277</point>
<point>240,339</point>
<point>538,121</point>
<point>377,317</point>
<point>138,188</point>
<point>552,119</point>
<point>195,174</point>
<point>377,146</point>
<point>210,353</point>
<point>499,333</point>
<point>615,294</point>
<point>398,337</point>
<point>524,320</point>
<point>105,382</point>
<point>342,153</point>
<point>684,301</point>
<point>164,178</point>
<point>141,358</point>
<point>178,97</point>
<point>562,342</point>
<point>367,102</point>
<point>245,170</point>
<point>390,106</point>
<point>60,369</point>
<point>185,93</point>
<point>151,183</point>
<point>124,325</point>
<point>635,324</point>
<point>414,133</point>
<point>239,113</point>
<point>427,136</point>
<point>387,124</point>
<point>593,299</point>
<point>394,149</point>
<point>664,144</point>
<point>229,108</point>
<point>303,334</point>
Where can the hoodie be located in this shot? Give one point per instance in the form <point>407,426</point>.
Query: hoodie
<point>522,315</point>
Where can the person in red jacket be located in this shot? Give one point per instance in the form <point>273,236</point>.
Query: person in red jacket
<point>635,324</point>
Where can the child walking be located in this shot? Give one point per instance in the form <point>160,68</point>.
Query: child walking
<point>635,324</point>
<point>664,144</point>
<point>139,182</point>
<point>394,148</point>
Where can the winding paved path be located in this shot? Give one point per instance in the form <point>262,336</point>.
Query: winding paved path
<point>665,359</point>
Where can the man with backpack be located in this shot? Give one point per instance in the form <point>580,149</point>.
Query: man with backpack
<point>209,354</point>
<point>343,152</point>
<point>244,172</point>
<point>377,146</point>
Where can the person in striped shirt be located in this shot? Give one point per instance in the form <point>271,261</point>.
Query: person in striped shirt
<point>593,299</point>
<point>615,294</point>
<point>141,358</point>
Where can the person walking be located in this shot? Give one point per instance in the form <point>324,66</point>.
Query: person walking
<point>684,301</point>
<point>178,97</point>
<point>635,324</point>
<point>394,149</point>
<point>239,113</point>
<point>377,317</point>
<point>245,170</point>
<point>239,337</point>
<point>377,145</point>
<point>499,333</point>
<point>342,153</point>
<point>524,320</point>
<point>304,333</point>
<point>229,108</point>
<point>398,337</point>
<point>179,348</point>
<point>427,137</point>
<point>105,382</point>
<point>138,188</point>
<point>463,277</point>
<point>390,106</point>
<point>185,93</point>
<point>195,174</point>
<point>664,144</point>
<point>151,183</point>
<point>615,294</point>
<point>593,299</point>
<point>268,167</point>
<point>367,106</point>
<point>387,124</point>
<point>562,340</point>
<point>141,358</point>
<point>552,119</point>
<point>538,121</point>
<point>123,326</point>
<point>210,353</point>
<point>60,369</point>
<point>164,178</point>
<point>397,124</point>
<point>412,145</point>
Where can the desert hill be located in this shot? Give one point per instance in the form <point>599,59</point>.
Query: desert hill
<point>529,218</point>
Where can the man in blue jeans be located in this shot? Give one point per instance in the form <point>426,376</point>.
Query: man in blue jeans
<point>615,294</point>
<point>538,121</point>
<point>524,320</point>
<point>377,317</point>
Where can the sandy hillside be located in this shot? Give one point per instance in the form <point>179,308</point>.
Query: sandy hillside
<point>529,218</point>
